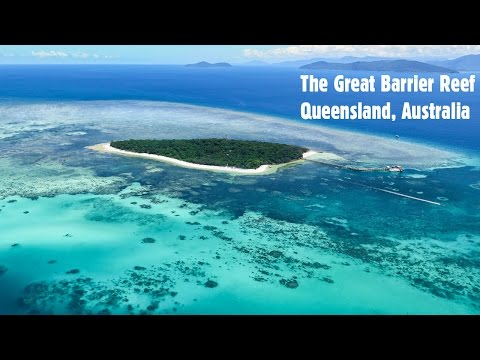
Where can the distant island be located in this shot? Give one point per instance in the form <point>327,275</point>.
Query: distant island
<point>233,156</point>
<point>463,63</point>
<point>381,65</point>
<point>204,64</point>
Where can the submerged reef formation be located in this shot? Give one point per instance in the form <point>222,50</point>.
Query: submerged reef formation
<point>3,269</point>
<point>142,290</point>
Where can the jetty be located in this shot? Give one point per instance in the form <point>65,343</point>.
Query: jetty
<point>392,168</point>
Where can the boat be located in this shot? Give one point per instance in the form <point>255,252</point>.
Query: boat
<point>394,168</point>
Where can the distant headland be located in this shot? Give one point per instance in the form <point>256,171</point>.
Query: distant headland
<point>204,64</point>
<point>381,65</point>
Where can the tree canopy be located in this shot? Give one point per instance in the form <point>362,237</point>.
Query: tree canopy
<point>243,154</point>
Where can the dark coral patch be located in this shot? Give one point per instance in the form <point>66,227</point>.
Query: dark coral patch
<point>211,284</point>
<point>289,283</point>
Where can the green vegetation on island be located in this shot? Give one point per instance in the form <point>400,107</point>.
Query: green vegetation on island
<point>241,154</point>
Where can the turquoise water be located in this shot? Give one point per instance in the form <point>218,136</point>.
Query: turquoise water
<point>248,256</point>
<point>90,233</point>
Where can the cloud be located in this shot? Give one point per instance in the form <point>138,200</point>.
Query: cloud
<point>303,51</point>
<point>48,54</point>
<point>81,55</point>
<point>72,55</point>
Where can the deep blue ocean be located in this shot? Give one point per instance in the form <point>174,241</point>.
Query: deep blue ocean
<point>88,232</point>
<point>264,90</point>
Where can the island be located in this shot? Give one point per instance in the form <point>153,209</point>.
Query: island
<point>381,65</point>
<point>245,157</point>
<point>204,64</point>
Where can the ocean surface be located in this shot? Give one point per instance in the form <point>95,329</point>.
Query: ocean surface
<point>89,233</point>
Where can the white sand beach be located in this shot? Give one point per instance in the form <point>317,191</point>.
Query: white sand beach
<point>261,170</point>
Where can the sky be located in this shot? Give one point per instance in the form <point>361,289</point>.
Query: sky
<point>184,54</point>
